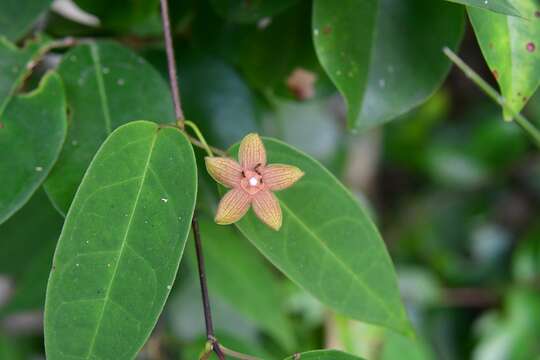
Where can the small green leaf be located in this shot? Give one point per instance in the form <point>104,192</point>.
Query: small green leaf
<point>323,355</point>
<point>32,132</point>
<point>17,16</point>
<point>27,242</point>
<point>106,86</point>
<point>249,11</point>
<point>255,291</point>
<point>121,244</point>
<point>381,70</point>
<point>328,245</point>
<point>511,47</point>
<point>500,6</point>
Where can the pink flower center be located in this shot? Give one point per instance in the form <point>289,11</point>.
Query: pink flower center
<point>251,182</point>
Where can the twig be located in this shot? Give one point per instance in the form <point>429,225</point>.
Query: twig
<point>493,94</point>
<point>202,140</point>
<point>204,289</point>
<point>171,64</point>
<point>238,355</point>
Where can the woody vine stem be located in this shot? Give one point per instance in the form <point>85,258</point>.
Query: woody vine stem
<point>212,343</point>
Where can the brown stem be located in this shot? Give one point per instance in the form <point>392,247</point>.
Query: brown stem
<point>171,64</point>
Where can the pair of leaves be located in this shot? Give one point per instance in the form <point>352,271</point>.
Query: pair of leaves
<point>32,127</point>
<point>381,70</point>
<point>121,244</point>
<point>106,85</point>
<point>511,47</point>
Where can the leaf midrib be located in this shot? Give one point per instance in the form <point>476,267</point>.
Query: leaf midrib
<point>123,245</point>
<point>339,261</point>
<point>94,53</point>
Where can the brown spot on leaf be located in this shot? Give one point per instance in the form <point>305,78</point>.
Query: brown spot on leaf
<point>301,83</point>
<point>327,30</point>
<point>1,125</point>
<point>495,74</point>
<point>537,13</point>
<point>531,47</point>
<point>490,45</point>
<point>525,99</point>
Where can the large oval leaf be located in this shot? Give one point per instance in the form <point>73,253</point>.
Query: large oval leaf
<point>121,244</point>
<point>328,244</point>
<point>107,85</point>
<point>255,291</point>
<point>32,132</point>
<point>511,47</point>
<point>16,16</point>
<point>381,70</point>
<point>323,355</point>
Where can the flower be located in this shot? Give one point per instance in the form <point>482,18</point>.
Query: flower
<point>252,183</point>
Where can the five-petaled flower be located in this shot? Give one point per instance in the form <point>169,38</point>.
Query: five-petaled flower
<point>252,183</point>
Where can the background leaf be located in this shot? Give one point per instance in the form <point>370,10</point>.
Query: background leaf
<point>255,291</point>
<point>107,85</point>
<point>500,6</point>
<point>323,355</point>
<point>120,15</point>
<point>249,11</point>
<point>27,242</point>
<point>109,283</point>
<point>328,244</point>
<point>511,47</point>
<point>32,132</point>
<point>17,16</point>
<point>381,70</point>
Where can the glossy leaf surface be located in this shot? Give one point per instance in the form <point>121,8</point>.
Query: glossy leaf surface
<point>511,47</point>
<point>121,244</point>
<point>107,86</point>
<point>381,70</point>
<point>32,132</point>
<point>328,244</point>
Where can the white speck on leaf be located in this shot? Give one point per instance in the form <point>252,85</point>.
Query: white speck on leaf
<point>120,82</point>
<point>316,32</point>
<point>39,169</point>
<point>164,200</point>
<point>169,287</point>
<point>106,70</point>
<point>382,83</point>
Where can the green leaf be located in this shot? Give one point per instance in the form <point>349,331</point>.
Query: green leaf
<point>255,292</point>
<point>106,86</point>
<point>328,245</point>
<point>249,11</point>
<point>17,16</point>
<point>500,6</point>
<point>120,15</point>
<point>121,244</point>
<point>27,242</point>
<point>32,132</point>
<point>511,47</point>
<point>218,98</point>
<point>323,355</point>
<point>380,69</point>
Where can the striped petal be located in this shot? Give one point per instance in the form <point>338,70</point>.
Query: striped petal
<point>266,207</point>
<point>279,176</point>
<point>252,153</point>
<point>232,207</point>
<point>224,170</point>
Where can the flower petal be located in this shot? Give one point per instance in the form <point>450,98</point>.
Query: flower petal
<point>280,176</point>
<point>252,152</point>
<point>232,206</point>
<point>224,170</point>
<point>266,207</point>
